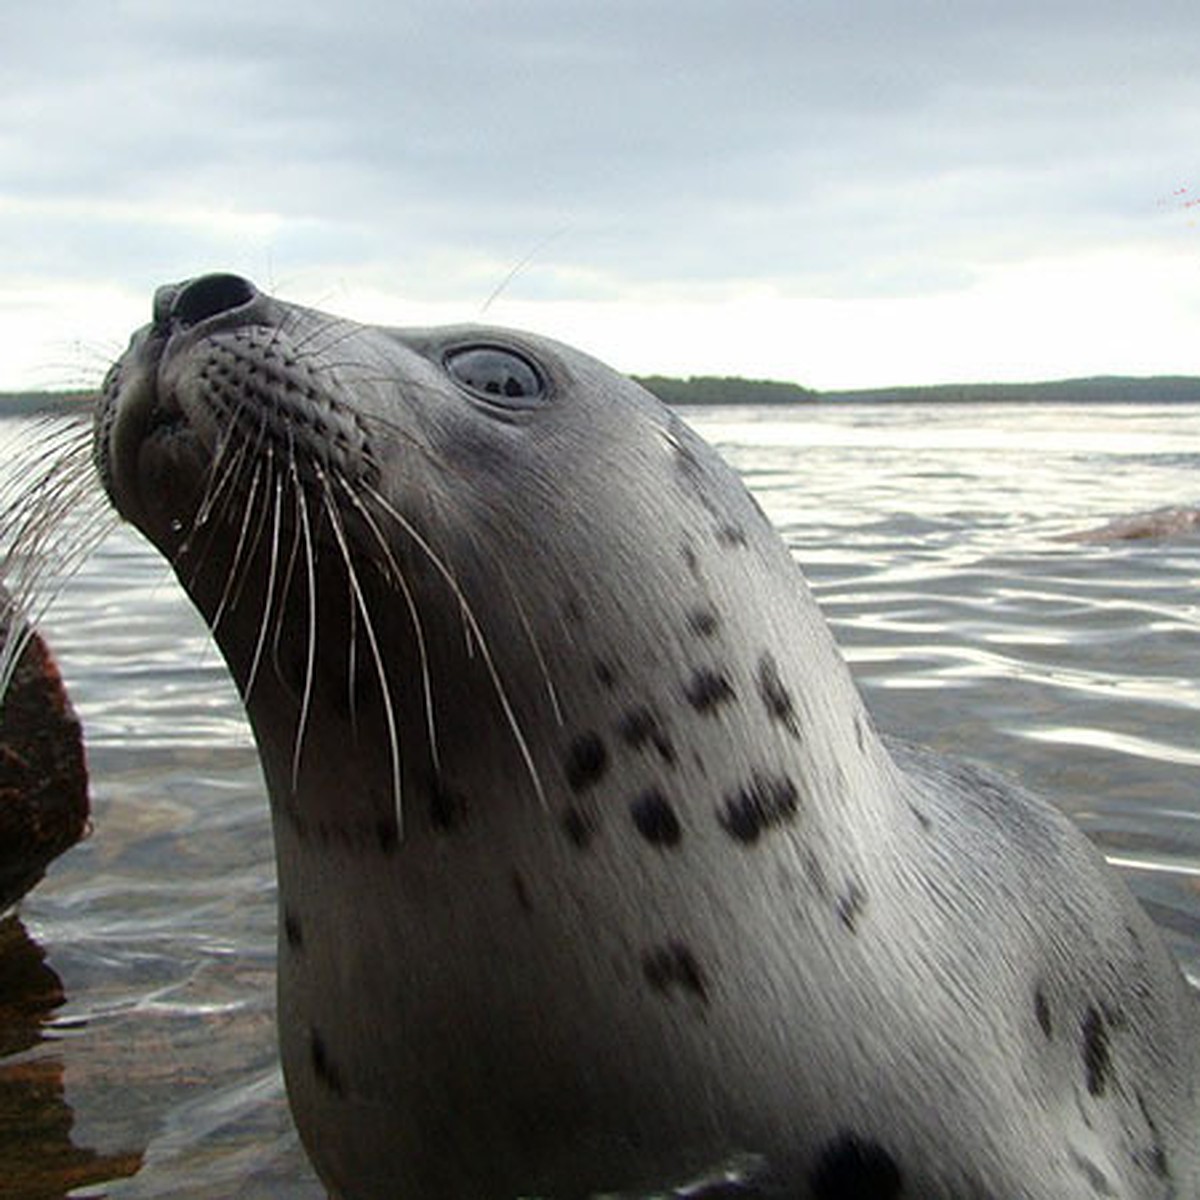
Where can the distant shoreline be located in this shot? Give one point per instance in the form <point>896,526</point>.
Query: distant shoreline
<point>711,390</point>
<point>30,404</point>
<point>1104,389</point>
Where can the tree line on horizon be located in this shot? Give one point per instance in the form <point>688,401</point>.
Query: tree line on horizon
<point>1106,389</point>
<point>702,390</point>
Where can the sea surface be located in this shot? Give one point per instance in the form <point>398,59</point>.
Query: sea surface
<point>937,540</point>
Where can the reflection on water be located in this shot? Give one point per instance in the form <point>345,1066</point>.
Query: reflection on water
<point>39,1154</point>
<point>931,537</point>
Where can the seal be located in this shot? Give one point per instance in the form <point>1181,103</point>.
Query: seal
<point>594,875</point>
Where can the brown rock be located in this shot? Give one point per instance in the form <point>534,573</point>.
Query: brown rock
<point>43,772</point>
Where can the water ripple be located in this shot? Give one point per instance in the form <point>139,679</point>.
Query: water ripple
<point>930,538</point>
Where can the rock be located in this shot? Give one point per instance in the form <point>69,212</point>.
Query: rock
<point>43,771</point>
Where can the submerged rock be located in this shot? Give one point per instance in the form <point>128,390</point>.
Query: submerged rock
<point>1161,523</point>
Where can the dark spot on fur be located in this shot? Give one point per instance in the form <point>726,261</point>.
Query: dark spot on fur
<point>605,675</point>
<point>587,760</point>
<point>674,965</point>
<point>690,560</point>
<point>324,1069</point>
<point>731,535</point>
<point>766,801</point>
<point>922,819</point>
<point>521,891</point>
<point>703,622</point>
<point>579,827</point>
<point>775,696</point>
<point>707,690</point>
<point>1041,1008</point>
<point>447,808</point>
<point>640,727</point>
<point>655,819</point>
<point>1097,1056</point>
<point>292,930</point>
<point>1156,1157</point>
<point>853,1168</point>
<point>851,904</point>
<point>860,735</point>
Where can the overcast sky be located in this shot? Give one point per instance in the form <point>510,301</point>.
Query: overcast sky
<point>842,193</point>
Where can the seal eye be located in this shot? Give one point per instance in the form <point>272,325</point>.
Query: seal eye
<point>496,375</point>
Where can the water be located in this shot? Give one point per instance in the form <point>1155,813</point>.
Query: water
<point>932,539</point>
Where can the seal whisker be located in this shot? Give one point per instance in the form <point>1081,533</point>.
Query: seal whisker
<point>317,356</point>
<point>264,624</point>
<point>263,474</point>
<point>232,458</point>
<point>285,589</point>
<point>397,574</point>
<point>534,645</point>
<point>58,473</point>
<point>52,519</point>
<point>352,655</point>
<point>360,605</point>
<point>311,346</point>
<point>223,474</point>
<point>310,659</point>
<point>244,547</point>
<point>447,575</point>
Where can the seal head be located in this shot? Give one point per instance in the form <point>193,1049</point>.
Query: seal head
<point>593,874</point>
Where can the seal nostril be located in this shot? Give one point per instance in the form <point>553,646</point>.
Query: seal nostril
<point>209,296</point>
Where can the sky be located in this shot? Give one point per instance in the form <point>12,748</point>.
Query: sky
<point>841,193</point>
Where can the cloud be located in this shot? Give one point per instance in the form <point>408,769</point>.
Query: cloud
<point>645,152</point>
